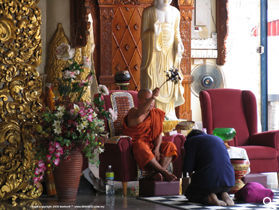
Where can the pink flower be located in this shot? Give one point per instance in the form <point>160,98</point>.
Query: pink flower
<point>90,118</point>
<point>56,161</point>
<point>41,164</point>
<point>36,180</point>
<point>60,150</point>
<point>40,177</point>
<point>57,145</point>
<point>37,171</point>
<point>86,143</point>
<point>82,113</point>
<point>42,168</point>
<point>48,157</point>
<point>82,83</point>
<point>58,154</point>
<point>51,149</point>
<point>72,74</point>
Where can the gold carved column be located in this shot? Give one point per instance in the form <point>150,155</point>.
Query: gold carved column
<point>20,90</point>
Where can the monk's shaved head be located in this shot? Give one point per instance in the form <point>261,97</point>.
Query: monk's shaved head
<point>144,93</point>
<point>143,96</point>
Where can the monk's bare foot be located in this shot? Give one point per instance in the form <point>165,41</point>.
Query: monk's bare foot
<point>169,176</point>
<point>213,200</point>
<point>227,199</point>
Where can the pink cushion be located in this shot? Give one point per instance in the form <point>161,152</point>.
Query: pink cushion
<point>253,192</point>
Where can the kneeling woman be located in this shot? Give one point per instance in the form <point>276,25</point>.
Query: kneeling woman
<point>208,163</point>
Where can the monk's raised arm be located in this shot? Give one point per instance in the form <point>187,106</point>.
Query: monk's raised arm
<point>147,102</point>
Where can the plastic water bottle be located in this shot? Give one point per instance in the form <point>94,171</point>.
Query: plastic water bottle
<point>109,181</point>
<point>204,130</point>
<point>185,181</point>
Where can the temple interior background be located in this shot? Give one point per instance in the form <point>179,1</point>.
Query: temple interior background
<point>229,41</point>
<point>240,64</point>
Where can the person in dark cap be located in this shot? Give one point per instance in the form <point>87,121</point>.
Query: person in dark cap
<point>208,163</point>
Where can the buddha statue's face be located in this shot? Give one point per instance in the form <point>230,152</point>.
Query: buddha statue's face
<point>162,3</point>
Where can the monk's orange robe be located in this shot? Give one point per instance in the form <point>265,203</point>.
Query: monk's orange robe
<point>143,136</point>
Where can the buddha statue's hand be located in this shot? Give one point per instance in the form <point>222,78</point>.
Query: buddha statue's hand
<point>179,53</point>
<point>180,49</point>
<point>157,28</point>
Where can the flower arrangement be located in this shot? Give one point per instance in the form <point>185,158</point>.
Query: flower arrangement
<point>70,86</point>
<point>172,75</point>
<point>70,125</point>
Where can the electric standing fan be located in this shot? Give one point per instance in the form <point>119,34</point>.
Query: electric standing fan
<point>206,76</point>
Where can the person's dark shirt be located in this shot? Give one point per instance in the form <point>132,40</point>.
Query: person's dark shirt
<point>207,156</point>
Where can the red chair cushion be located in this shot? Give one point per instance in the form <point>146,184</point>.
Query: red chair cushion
<point>228,111</point>
<point>260,152</point>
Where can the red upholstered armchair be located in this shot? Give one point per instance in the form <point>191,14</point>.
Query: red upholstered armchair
<point>238,109</point>
<point>118,149</point>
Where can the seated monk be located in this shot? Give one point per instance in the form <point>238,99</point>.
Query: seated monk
<point>145,125</point>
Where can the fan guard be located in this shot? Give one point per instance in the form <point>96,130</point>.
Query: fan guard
<point>206,76</point>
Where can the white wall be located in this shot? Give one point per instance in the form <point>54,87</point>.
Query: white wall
<point>53,12</point>
<point>242,67</point>
<point>58,11</point>
<point>205,31</point>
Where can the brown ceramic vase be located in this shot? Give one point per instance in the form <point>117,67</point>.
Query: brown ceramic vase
<point>67,176</point>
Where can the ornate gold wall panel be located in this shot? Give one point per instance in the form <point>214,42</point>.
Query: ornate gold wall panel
<point>20,90</point>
